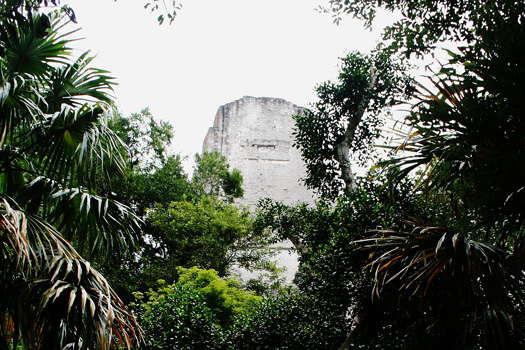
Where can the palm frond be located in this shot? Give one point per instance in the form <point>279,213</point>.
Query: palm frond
<point>54,146</point>
<point>62,300</point>
<point>91,305</point>
<point>103,224</point>
<point>19,107</point>
<point>32,45</point>
<point>433,127</point>
<point>100,225</point>
<point>483,281</point>
<point>77,83</point>
<point>73,143</point>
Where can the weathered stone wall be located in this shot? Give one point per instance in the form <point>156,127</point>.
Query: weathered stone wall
<point>255,135</point>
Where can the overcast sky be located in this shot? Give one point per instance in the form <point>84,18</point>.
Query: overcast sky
<point>214,53</point>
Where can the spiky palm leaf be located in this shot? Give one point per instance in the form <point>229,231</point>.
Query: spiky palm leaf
<point>51,296</point>
<point>431,133</point>
<point>77,82</point>
<point>482,283</point>
<point>466,141</point>
<point>62,140</point>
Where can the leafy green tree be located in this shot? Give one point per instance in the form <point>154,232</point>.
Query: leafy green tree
<point>212,177</point>
<point>331,268</point>
<point>208,233</point>
<point>224,296</point>
<point>155,178</point>
<point>152,174</point>
<point>289,321</point>
<point>447,261</point>
<point>195,312</point>
<point>303,226</point>
<point>465,139</point>
<point>55,142</point>
<point>166,184</point>
<point>146,138</point>
<point>344,123</point>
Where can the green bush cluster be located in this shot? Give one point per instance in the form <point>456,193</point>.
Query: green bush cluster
<point>203,311</point>
<point>177,317</point>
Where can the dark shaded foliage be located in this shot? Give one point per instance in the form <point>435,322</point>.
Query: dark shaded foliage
<point>288,322</point>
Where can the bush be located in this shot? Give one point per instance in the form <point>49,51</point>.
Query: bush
<point>177,317</point>
<point>224,296</point>
<point>290,321</point>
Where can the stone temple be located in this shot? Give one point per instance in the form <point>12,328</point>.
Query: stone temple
<point>255,136</point>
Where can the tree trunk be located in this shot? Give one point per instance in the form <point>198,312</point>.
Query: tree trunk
<point>343,147</point>
<point>301,248</point>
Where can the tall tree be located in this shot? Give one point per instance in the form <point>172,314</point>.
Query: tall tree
<point>54,139</point>
<point>146,137</point>
<point>454,269</point>
<point>344,123</point>
<point>152,176</point>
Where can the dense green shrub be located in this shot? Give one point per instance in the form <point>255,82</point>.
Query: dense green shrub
<point>177,317</point>
<point>224,296</point>
<point>290,321</point>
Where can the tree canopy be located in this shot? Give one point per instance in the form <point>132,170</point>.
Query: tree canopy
<point>344,123</point>
<point>207,233</point>
<point>424,24</point>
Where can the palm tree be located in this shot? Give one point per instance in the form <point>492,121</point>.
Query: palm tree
<point>477,290</point>
<point>466,142</point>
<point>55,148</point>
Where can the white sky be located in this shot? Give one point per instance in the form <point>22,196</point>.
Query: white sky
<point>214,53</point>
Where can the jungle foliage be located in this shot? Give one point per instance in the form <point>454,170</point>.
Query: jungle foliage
<point>55,147</point>
<point>425,251</point>
<point>187,222</point>
<point>450,264</point>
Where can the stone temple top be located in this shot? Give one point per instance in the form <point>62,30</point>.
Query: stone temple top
<point>255,136</point>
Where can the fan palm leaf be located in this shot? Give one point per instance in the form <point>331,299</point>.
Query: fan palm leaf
<point>483,283</point>
<point>466,141</point>
<point>72,143</point>
<point>433,129</point>
<point>62,140</point>
<point>78,82</point>
<point>54,147</point>
<point>32,46</point>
